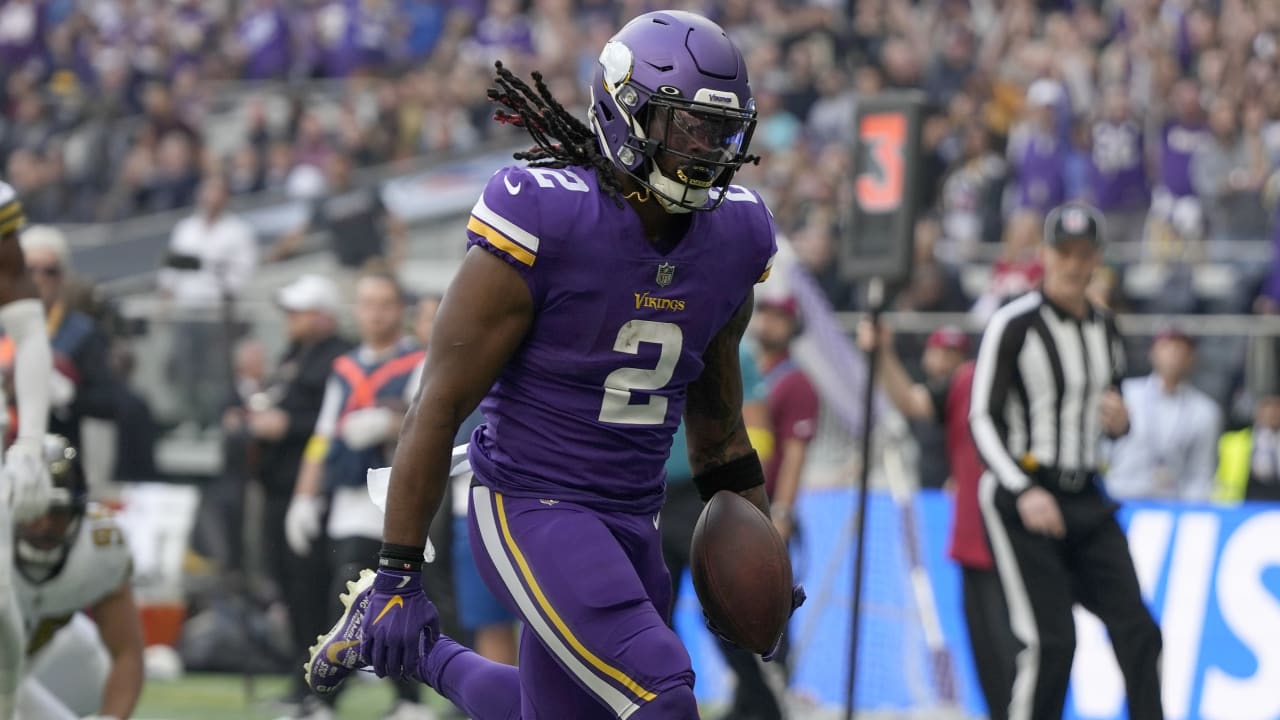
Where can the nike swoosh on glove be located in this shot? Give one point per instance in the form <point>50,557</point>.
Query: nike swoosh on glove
<point>30,487</point>
<point>400,624</point>
<point>798,597</point>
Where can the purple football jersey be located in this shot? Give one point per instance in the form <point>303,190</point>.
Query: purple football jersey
<point>1178,144</point>
<point>585,410</point>
<point>1117,167</point>
<point>1041,171</point>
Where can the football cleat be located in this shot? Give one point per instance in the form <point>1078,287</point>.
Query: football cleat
<point>337,654</point>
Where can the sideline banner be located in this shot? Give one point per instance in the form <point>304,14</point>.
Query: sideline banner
<point>1211,576</point>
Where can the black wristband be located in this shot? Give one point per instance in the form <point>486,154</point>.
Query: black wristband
<point>400,557</point>
<point>737,475</point>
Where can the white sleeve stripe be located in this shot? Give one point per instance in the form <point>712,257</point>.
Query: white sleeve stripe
<point>981,424</point>
<point>517,234</point>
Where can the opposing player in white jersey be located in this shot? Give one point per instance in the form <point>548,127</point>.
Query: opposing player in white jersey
<point>72,564</point>
<point>25,488</point>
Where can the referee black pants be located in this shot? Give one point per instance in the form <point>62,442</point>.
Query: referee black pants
<point>990,640</point>
<point>1044,577</point>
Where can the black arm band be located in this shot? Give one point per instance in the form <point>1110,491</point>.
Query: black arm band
<point>400,557</point>
<point>737,475</point>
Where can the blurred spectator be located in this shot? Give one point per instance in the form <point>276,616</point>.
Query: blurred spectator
<point>280,420</point>
<point>136,445</point>
<point>1249,459</point>
<point>971,192</point>
<point>23,29</point>
<point>1038,152</point>
<point>1019,268</point>
<point>944,352</point>
<point>33,177</point>
<point>82,385</point>
<point>832,115</point>
<point>950,70</point>
<point>1175,209</point>
<point>359,226</point>
<point>1170,451</point>
<point>503,32</point>
<point>262,47</point>
<point>245,171</point>
<point>171,182</point>
<point>365,399</point>
<point>792,404</point>
<point>1228,178</point>
<point>1117,178</point>
<point>219,531</point>
<point>934,285</point>
<point>212,257</point>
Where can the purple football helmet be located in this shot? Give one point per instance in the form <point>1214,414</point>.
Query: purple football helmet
<point>671,106</point>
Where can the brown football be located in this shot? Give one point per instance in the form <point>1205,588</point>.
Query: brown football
<point>741,572</point>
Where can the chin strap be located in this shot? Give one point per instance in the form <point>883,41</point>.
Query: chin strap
<point>635,195</point>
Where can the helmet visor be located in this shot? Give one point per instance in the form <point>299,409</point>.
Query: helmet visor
<point>700,140</point>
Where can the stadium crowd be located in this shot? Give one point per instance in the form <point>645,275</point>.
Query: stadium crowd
<point>1163,113</point>
<point>1156,110</point>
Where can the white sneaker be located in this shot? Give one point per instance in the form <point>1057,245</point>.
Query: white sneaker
<point>405,710</point>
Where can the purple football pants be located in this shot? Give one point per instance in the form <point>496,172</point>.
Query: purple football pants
<point>593,593</point>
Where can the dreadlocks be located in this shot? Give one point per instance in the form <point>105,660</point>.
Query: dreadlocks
<point>561,139</point>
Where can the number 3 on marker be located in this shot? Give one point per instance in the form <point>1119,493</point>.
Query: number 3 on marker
<point>879,187</point>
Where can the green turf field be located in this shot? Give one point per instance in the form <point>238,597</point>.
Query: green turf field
<point>229,697</point>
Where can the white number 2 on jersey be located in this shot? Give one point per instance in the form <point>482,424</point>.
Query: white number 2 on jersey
<point>550,177</point>
<point>616,407</point>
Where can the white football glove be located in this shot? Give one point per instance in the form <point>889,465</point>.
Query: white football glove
<point>367,427</point>
<point>62,391</point>
<point>26,480</point>
<point>302,522</point>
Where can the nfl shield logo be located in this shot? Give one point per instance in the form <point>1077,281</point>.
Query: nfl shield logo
<point>1075,221</point>
<point>666,271</point>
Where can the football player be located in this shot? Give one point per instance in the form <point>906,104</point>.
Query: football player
<point>603,295</point>
<point>71,561</point>
<point>24,482</point>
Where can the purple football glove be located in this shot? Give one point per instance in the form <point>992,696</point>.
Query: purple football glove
<point>798,597</point>
<point>399,624</point>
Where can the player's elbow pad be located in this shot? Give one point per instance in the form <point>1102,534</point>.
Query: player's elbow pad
<point>738,475</point>
<point>762,441</point>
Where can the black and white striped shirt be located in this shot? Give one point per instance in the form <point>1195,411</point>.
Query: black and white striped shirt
<point>1036,388</point>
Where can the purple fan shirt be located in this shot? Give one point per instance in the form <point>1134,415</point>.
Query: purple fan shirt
<point>586,409</point>
<point>264,34</point>
<point>333,35</point>
<point>510,35</point>
<point>22,32</point>
<point>1117,167</point>
<point>1178,143</point>
<point>372,36</point>
<point>1041,171</point>
<point>188,30</point>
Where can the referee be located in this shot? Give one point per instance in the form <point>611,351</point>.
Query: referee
<point>1044,394</point>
